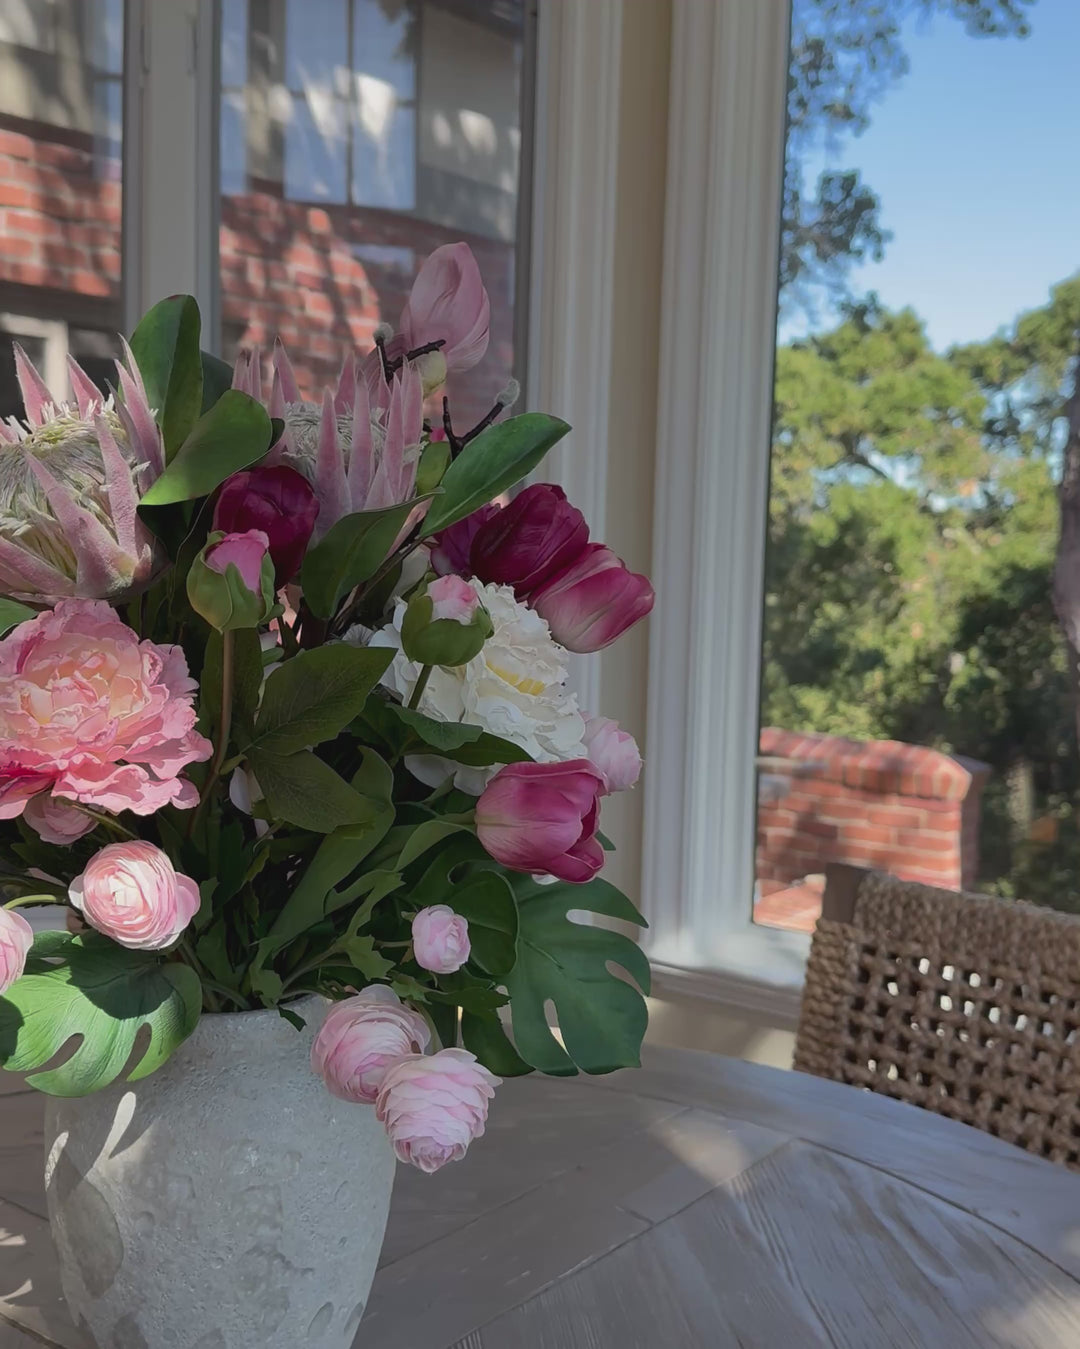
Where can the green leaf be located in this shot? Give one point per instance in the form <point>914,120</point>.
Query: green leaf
<point>483,1035</point>
<point>303,790</point>
<point>602,1018</point>
<point>166,349</point>
<point>103,993</point>
<point>361,955</point>
<point>351,552</point>
<point>456,740</point>
<point>492,463</point>
<point>13,613</point>
<point>314,696</point>
<point>247,679</point>
<point>234,433</point>
<point>423,837</point>
<point>486,899</point>
<point>217,376</point>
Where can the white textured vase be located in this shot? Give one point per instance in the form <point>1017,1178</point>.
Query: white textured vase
<point>227,1201</point>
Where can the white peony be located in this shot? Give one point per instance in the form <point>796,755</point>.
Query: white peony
<point>515,688</point>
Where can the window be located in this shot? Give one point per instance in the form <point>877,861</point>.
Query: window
<point>918,702</point>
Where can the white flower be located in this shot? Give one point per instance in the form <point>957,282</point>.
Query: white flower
<point>515,688</point>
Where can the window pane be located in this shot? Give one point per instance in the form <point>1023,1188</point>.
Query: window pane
<point>61,118</point>
<point>352,145</point>
<point>918,701</point>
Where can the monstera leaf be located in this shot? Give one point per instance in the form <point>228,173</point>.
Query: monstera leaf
<point>601,1017</point>
<point>90,988</point>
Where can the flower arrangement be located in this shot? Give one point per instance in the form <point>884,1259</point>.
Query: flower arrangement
<point>284,709</point>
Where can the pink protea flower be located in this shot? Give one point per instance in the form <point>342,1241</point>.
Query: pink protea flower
<point>434,1106</point>
<point>361,1037</point>
<point>16,938</point>
<point>132,893</point>
<point>94,715</point>
<point>71,477</point>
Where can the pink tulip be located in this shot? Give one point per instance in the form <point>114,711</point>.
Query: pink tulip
<point>16,938</point>
<point>542,818</point>
<point>593,601</point>
<point>452,598</point>
<point>434,1106</point>
<point>526,543</point>
<point>449,303</point>
<point>361,1038</point>
<point>243,551</point>
<point>277,501</point>
<point>440,939</point>
<point>56,820</point>
<point>452,548</point>
<point>131,893</point>
<point>614,752</point>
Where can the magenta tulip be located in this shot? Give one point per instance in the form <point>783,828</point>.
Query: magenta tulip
<point>452,547</point>
<point>280,502</point>
<point>529,541</point>
<point>593,601</point>
<point>448,303</point>
<point>542,818</point>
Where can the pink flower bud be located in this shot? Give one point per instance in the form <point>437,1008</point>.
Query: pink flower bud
<point>279,502</point>
<point>542,818</point>
<point>433,1107</point>
<point>131,893</point>
<point>245,552</point>
<point>614,752</point>
<point>452,598</point>
<point>361,1037</point>
<point>16,938</point>
<point>529,541</point>
<point>593,601</point>
<point>56,820</point>
<point>451,549</point>
<point>440,939</point>
<point>448,302</point>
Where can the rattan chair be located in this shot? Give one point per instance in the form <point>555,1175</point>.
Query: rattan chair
<point>964,1004</point>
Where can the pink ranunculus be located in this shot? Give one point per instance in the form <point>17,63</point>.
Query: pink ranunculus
<point>593,601</point>
<point>440,939</point>
<point>451,548</point>
<point>245,552</point>
<point>448,303</point>
<point>434,1106</point>
<point>614,752</point>
<point>131,892</point>
<point>543,817</point>
<point>526,543</point>
<point>56,820</point>
<point>276,500</point>
<point>16,938</point>
<point>361,1037</point>
<point>451,597</point>
<point>95,714</point>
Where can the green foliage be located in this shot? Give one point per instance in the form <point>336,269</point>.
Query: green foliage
<point>410,732</point>
<point>12,613</point>
<point>232,435</point>
<point>351,552</point>
<point>166,349</point>
<point>314,696</point>
<point>89,987</point>
<point>304,790</point>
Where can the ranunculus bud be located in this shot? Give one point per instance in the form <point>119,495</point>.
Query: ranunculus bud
<point>527,542</point>
<point>593,601</point>
<point>433,1106</point>
<point>445,624</point>
<point>361,1037</point>
<point>542,818</point>
<point>16,938</point>
<point>131,892</point>
<point>614,752</point>
<point>448,303</point>
<point>57,821</point>
<point>440,939</point>
<point>231,582</point>
<point>276,500</point>
<point>451,549</point>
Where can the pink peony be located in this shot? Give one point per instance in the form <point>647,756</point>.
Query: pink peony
<point>614,752</point>
<point>16,938</point>
<point>131,892</point>
<point>440,939</point>
<point>543,817</point>
<point>452,598</point>
<point>433,1107</point>
<point>94,714</point>
<point>56,820</point>
<point>361,1037</point>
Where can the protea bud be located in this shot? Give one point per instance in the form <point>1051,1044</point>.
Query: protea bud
<point>71,476</point>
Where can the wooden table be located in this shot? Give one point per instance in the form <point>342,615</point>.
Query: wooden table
<point>699,1202</point>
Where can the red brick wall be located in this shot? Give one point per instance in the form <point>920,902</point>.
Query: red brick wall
<point>901,808</point>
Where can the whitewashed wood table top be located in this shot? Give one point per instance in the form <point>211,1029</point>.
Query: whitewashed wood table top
<point>699,1202</point>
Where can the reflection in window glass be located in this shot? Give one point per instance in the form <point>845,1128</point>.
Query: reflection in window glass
<point>918,701</point>
<point>61,117</point>
<point>356,137</point>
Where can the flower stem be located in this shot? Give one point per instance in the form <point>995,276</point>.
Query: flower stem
<point>421,685</point>
<point>227,671</point>
<point>32,899</point>
<point>109,821</point>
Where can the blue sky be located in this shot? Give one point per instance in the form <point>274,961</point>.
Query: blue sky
<point>976,157</point>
